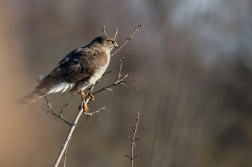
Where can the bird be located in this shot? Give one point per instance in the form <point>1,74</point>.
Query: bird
<point>77,71</point>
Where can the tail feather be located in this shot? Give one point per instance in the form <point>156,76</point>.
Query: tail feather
<point>47,84</point>
<point>33,96</point>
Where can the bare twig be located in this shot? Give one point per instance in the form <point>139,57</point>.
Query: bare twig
<point>108,72</point>
<point>48,107</point>
<point>120,68</point>
<point>116,34</point>
<point>133,139</point>
<point>104,31</point>
<point>89,115</point>
<point>136,29</point>
<point>95,112</point>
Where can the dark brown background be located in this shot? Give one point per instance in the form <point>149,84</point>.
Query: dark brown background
<point>191,61</point>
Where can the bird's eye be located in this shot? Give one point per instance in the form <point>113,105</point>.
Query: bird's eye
<point>111,42</point>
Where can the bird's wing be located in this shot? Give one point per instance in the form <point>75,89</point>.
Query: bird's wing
<point>76,66</point>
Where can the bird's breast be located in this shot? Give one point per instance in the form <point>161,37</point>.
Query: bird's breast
<point>98,73</point>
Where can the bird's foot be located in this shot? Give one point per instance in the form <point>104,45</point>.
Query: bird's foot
<point>84,97</point>
<point>90,96</point>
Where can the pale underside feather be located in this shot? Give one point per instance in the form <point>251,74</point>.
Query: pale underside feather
<point>62,87</point>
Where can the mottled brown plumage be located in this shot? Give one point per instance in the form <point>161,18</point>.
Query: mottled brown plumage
<point>78,70</point>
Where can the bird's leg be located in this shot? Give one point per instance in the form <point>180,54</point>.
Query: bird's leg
<point>84,104</point>
<point>82,94</point>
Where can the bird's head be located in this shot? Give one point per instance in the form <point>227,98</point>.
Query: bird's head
<point>106,41</point>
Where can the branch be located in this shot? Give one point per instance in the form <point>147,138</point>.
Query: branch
<point>48,107</point>
<point>133,139</point>
<point>67,140</point>
<point>136,29</point>
<point>65,154</point>
<point>70,133</point>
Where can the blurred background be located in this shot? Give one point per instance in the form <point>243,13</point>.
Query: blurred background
<point>192,64</point>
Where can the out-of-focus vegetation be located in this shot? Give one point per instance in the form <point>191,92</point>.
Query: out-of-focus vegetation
<point>191,62</point>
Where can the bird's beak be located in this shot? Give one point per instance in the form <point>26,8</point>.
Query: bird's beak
<point>116,45</point>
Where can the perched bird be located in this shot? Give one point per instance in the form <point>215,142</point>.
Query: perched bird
<point>77,71</point>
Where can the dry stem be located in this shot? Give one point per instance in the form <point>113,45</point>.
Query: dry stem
<point>69,136</point>
<point>136,29</point>
<point>65,154</point>
<point>48,107</point>
<point>104,31</point>
<point>133,139</point>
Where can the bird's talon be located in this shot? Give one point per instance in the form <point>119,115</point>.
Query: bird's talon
<point>90,96</point>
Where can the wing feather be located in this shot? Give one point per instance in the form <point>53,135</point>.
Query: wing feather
<point>76,66</point>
